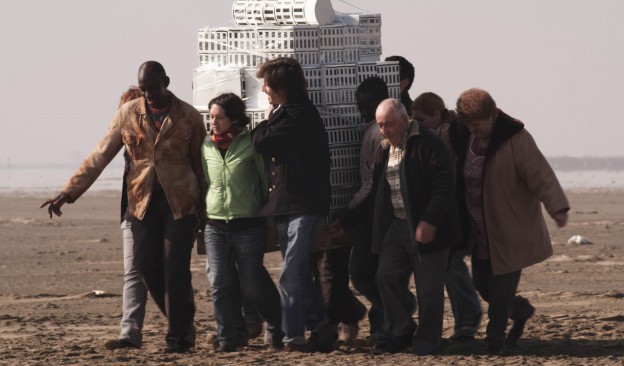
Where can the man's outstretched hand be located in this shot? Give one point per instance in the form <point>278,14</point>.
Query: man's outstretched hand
<point>54,204</point>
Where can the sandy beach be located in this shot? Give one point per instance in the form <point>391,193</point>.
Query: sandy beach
<point>50,314</point>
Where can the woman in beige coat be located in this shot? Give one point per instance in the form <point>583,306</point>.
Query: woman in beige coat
<point>502,177</point>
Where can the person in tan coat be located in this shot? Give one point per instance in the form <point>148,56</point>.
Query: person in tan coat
<point>503,179</point>
<point>163,136</point>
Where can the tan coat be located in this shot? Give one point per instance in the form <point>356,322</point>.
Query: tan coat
<point>173,155</point>
<point>516,179</point>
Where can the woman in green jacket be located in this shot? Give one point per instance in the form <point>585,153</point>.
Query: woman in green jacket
<point>237,184</point>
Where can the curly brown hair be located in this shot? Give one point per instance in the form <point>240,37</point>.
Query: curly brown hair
<point>133,92</point>
<point>284,74</point>
<point>474,104</point>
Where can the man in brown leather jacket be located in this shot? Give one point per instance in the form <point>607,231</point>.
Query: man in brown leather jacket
<point>162,135</point>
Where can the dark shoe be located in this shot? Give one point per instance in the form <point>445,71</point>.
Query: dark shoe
<point>495,349</point>
<point>254,329</point>
<point>324,340</point>
<point>113,344</point>
<point>225,347</point>
<point>292,347</point>
<point>518,327</point>
<point>399,344</point>
<point>424,348</point>
<point>174,346</point>
<point>462,338</point>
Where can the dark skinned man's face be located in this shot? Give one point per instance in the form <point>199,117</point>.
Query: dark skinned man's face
<point>154,88</point>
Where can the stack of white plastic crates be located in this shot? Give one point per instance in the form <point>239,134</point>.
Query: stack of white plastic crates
<point>337,52</point>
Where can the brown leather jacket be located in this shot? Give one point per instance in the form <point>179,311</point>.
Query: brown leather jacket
<point>172,155</point>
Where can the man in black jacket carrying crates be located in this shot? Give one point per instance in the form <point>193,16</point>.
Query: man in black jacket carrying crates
<point>414,224</point>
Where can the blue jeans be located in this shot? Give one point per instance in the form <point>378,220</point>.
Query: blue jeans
<point>462,296</point>
<point>302,307</point>
<point>134,294</point>
<point>246,250</point>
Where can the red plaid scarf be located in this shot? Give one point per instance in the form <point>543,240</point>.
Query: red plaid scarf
<point>224,140</point>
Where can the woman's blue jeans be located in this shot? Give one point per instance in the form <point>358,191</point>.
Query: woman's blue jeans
<point>245,249</point>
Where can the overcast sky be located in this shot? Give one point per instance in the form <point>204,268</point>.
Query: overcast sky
<point>557,65</point>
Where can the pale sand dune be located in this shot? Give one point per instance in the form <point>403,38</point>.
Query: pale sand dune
<point>49,314</point>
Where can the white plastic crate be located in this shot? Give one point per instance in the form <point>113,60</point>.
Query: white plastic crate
<point>205,113</point>
<point>339,96</point>
<point>341,196</point>
<point>314,78</point>
<point>212,40</point>
<point>316,96</point>
<point>348,177</point>
<point>389,72</point>
<point>306,38</point>
<point>340,116</point>
<point>346,136</point>
<point>209,82</point>
<point>395,92</point>
<point>282,12</point>
<point>331,56</point>
<point>339,76</point>
<point>347,157</point>
<point>213,59</point>
<point>351,55</point>
<point>332,37</point>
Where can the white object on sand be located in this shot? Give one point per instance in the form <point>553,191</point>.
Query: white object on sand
<point>579,239</point>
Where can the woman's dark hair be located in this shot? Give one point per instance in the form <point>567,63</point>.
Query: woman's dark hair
<point>284,74</point>
<point>429,103</point>
<point>234,108</point>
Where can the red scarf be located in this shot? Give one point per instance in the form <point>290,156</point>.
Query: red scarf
<point>224,140</point>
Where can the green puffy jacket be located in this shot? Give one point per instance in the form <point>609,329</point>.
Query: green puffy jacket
<point>237,182</point>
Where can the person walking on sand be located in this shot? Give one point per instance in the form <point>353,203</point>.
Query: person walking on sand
<point>237,181</point>
<point>428,109</point>
<point>294,141</point>
<point>414,225</point>
<point>163,137</point>
<point>502,179</point>
<point>134,294</point>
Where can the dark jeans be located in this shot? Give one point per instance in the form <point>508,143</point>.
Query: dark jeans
<point>162,255</point>
<point>398,260</point>
<point>331,273</point>
<point>500,294</point>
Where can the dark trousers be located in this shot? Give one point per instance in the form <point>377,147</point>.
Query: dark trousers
<point>398,260</point>
<point>362,267</point>
<point>500,294</point>
<point>332,275</point>
<point>162,255</point>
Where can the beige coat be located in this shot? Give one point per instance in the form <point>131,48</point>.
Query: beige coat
<point>516,179</point>
<point>172,155</point>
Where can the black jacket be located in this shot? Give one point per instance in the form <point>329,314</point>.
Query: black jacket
<point>294,141</point>
<point>427,188</point>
